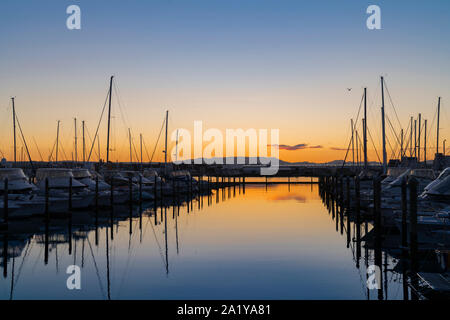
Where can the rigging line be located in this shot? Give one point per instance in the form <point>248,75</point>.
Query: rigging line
<point>432,123</point>
<point>392,103</point>
<point>159,136</point>
<point>122,114</point>
<point>157,242</point>
<point>39,151</point>
<point>407,141</point>
<point>352,130</point>
<point>96,269</point>
<point>64,152</point>
<point>50,157</point>
<point>89,136</point>
<point>24,141</point>
<point>27,250</point>
<point>119,101</point>
<point>134,147</point>
<point>390,146</point>
<point>130,261</point>
<point>145,147</point>
<point>394,150</point>
<point>370,136</point>
<point>393,130</point>
<point>98,126</point>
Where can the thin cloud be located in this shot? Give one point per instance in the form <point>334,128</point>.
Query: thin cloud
<point>300,146</point>
<point>338,149</point>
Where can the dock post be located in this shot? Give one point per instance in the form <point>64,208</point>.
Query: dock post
<point>47,221</point>
<point>174,191</point>
<point>130,190</point>
<point>155,204</point>
<point>70,215</point>
<point>46,198</point>
<point>96,210</point>
<point>413,223</point>
<point>243,185</point>
<point>161,193</point>
<point>112,193</point>
<point>404,219</point>
<point>140,190</point>
<point>5,255</point>
<point>96,199</point>
<point>378,228</point>
<point>70,193</point>
<point>155,187</point>
<point>112,207</point>
<point>5,203</point>
<point>358,219</point>
<point>348,193</point>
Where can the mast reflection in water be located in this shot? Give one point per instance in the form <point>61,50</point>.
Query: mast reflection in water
<point>258,242</point>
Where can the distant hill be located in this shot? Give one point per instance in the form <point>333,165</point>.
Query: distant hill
<point>252,160</point>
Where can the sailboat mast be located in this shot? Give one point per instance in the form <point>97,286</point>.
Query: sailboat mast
<point>165,149</point>
<point>418,138</point>
<point>401,144</point>
<point>57,139</point>
<point>109,119</point>
<point>357,148</point>
<point>84,144</point>
<point>14,129</point>
<point>365,128</point>
<point>438,118</point>
<point>353,142</point>
<point>383,126</point>
<point>140,140</point>
<point>425,145</point>
<point>76,147</point>
<point>129,140</point>
<point>176,148</point>
<point>415,138</point>
<point>411,138</point>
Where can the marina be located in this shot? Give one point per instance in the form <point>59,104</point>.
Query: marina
<point>394,214</point>
<point>225,158</point>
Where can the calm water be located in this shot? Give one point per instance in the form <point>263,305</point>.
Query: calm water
<point>274,243</point>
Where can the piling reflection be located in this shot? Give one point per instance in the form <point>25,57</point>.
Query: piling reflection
<point>205,244</point>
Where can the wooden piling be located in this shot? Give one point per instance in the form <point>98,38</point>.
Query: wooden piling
<point>358,219</point>
<point>404,219</point>
<point>413,223</point>
<point>140,190</point>
<point>5,255</point>
<point>96,200</point>
<point>47,211</point>
<point>130,190</point>
<point>378,230</point>
<point>348,192</point>
<point>112,192</point>
<point>70,193</point>
<point>5,203</point>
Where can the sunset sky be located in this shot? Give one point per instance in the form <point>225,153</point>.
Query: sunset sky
<point>263,64</point>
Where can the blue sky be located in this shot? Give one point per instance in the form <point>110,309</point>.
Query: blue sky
<point>268,61</point>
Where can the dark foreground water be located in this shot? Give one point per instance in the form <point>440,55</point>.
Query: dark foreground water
<point>278,242</point>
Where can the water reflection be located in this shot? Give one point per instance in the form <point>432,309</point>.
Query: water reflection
<point>263,241</point>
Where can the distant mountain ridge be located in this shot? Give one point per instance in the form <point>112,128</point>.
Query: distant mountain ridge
<point>257,161</point>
